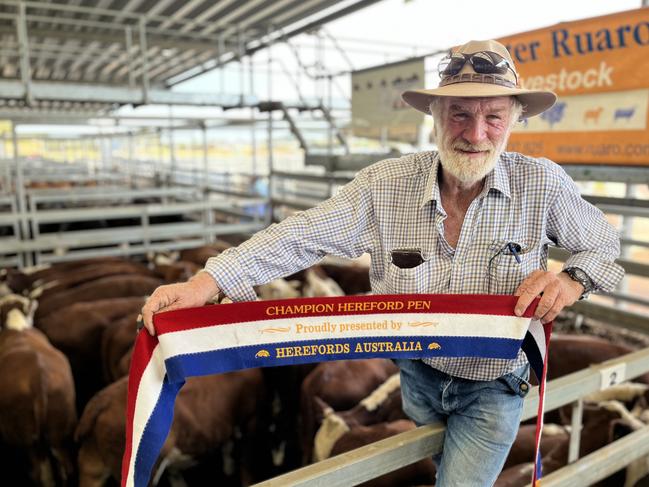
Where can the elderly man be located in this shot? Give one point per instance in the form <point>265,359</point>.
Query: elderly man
<point>469,218</point>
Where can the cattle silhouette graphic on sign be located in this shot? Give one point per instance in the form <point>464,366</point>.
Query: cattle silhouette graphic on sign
<point>555,114</point>
<point>593,114</point>
<point>622,113</point>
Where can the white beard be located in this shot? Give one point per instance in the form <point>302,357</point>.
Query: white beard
<point>467,169</point>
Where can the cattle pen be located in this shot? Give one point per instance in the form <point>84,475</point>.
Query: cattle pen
<point>141,138</point>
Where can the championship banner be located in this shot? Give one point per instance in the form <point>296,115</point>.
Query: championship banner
<point>598,67</point>
<point>218,339</point>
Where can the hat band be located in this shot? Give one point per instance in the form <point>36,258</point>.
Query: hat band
<point>476,78</point>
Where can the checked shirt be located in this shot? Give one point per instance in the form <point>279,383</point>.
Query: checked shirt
<point>395,204</point>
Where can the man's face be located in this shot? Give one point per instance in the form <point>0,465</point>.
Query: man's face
<point>471,134</point>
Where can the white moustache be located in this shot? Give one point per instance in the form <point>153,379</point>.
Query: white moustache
<point>473,148</point>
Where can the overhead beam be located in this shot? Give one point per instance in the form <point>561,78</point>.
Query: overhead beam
<point>45,90</point>
<point>264,44</point>
<point>115,37</point>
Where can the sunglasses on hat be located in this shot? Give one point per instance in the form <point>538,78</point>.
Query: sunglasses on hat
<point>483,62</point>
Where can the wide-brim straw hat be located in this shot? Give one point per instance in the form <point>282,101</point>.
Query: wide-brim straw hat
<point>469,84</point>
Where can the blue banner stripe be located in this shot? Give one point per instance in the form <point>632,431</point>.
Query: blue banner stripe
<point>182,366</point>
<point>156,431</point>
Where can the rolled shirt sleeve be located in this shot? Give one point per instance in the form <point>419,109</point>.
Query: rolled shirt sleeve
<point>342,225</point>
<point>579,227</point>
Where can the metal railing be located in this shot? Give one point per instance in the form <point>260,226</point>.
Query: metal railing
<point>376,459</point>
<point>135,227</point>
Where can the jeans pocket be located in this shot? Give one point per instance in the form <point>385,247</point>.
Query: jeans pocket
<point>517,381</point>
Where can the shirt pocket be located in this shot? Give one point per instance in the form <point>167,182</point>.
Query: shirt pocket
<point>505,270</point>
<point>412,280</point>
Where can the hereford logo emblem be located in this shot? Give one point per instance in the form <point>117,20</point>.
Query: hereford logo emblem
<point>262,353</point>
<point>434,346</point>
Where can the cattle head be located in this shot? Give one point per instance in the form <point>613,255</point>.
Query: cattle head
<point>17,312</point>
<point>318,284</point>
<point>333,427</point>
<point>279,289</point>
<point>14,281</point>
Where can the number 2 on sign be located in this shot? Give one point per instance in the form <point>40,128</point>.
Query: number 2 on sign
<point>613,375</point>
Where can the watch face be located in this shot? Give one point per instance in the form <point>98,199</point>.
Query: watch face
<point>581,277</point>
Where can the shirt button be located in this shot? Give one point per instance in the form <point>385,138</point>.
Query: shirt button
<point>524,387</point>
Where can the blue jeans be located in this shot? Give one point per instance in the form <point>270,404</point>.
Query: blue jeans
<point>481,419</point>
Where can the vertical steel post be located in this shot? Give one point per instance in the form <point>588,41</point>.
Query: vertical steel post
<point>88,156</point>
<point>23,46</point>
<point>7,165</point>
<point>626,232</point>
<point>157,167</point>
<point>20,194</point>
<point>575,431</point>
<point>128,33</point>
<point>172,150</point>
<point>330,136</point>
<point>270,212</point>
<point>253,131</point>
<point>221,51</point>
<point>206,169</point>
<point>319,67</point>
<point>145,62</point>
<point>129,161</point>
<point>109,156</point>
<point>241,51</point>
<point>207,211</point>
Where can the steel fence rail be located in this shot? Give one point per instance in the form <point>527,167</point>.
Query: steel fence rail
<point>376,459</point>
<point>601,463</point>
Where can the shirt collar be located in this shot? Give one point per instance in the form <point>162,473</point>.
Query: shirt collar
<point>497,179</point>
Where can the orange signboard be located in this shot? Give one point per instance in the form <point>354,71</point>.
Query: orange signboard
<point>599,67</point>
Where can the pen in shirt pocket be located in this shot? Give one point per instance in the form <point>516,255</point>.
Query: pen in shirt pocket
<point>515,249</point>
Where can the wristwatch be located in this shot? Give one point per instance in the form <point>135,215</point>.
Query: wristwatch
<point>577,275</point>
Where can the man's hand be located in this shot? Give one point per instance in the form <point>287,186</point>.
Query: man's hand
<point>194,292</point>
<point>559,291</point>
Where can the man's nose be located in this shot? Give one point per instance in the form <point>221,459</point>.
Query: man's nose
<point>476,131</point>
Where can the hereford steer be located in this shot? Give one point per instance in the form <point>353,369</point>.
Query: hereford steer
<point>26,279</point>
<point>382,405</point>
<point>318,284</point>
<point>200,255</point>
<point>117,346</point>
<point>353,279</point>
<point>208,411</point>
<point>37,398</point>
<point>179,271</point>
<point>104,288</point>
<point>341,384</point>
<point>421,472</point>
<point>524,445</point>
<point>571,353</point>
<point>603,423</point>
<point>71,279</point>
<point>77,331</point>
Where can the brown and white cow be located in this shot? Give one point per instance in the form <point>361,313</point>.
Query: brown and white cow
<point>571,353</point>
<point>341,384</point>
<point>209,412</point>
<point>74,278</point>
<point>418,473</point>
<point>117,346</point>
<point>119,286</point>
<point>21,281</point>
<point>77,331</point>
<point>381,406</point>
<point>37,397</point>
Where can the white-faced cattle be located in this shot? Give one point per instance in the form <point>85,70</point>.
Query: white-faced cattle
<point>209,413</point>
<point>37,397</point>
